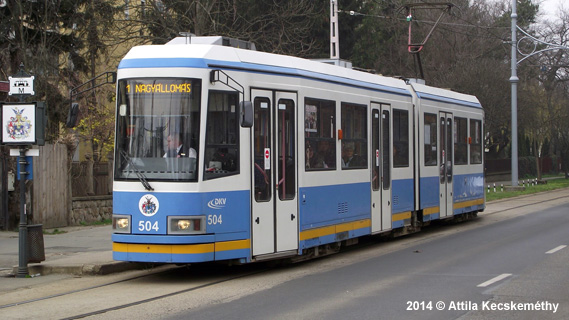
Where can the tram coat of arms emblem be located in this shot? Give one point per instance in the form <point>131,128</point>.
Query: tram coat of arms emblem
<point>148,205</point>
<point>19,126</point>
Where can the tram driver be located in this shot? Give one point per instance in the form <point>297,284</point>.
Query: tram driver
<point>177,149</point>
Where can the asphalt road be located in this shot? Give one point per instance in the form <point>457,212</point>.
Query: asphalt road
<point>510,257</point>
<point>475,274</point>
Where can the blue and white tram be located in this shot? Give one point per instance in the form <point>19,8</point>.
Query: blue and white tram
<point>316,155</point>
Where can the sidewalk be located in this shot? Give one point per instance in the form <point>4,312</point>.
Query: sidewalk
<point>88,250</point>
<point>77,251</point>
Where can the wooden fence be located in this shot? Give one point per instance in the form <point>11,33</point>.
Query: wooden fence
<point>50,191</point>
<point>102,185</point>
<point>51,196</point>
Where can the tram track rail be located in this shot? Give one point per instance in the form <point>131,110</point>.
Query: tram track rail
<point>225,279</point>
<point>231,274</point>
<point>77,290</point>
<point>163,296</point>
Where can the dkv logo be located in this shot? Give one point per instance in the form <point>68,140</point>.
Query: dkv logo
<point>217,203</point>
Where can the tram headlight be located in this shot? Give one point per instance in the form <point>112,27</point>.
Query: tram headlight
<point>121,224</point>
<point>186,225</point>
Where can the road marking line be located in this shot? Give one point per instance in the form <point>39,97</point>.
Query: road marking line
<point>493,280</point>
<point>555,249</point>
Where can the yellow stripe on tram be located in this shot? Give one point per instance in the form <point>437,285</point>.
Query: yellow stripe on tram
<point>402,216</point>
<point>232,245</point>
<point>326,231</point>
<point>182,248</point>
<point>464,204</point>
<point>431,210</point>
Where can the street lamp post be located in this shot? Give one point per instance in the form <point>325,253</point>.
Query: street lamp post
<point>546,46</point>
<point>514,81</point>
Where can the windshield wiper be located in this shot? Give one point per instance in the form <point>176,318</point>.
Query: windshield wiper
<point>139,174</point>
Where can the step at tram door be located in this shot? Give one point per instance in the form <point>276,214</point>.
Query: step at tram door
<point>446,163</point>
<point>274,200</point>
<point>381,164</point>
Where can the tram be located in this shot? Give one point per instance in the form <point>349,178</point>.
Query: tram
<point>225,153</point>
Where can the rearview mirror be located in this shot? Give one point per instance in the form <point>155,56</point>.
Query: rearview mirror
<point>246,113</point>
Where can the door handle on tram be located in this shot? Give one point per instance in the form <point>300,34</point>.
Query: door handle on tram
<point>292,216</point>
<point>257,220</point>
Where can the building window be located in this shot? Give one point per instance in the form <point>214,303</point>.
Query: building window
<point>126,10</point>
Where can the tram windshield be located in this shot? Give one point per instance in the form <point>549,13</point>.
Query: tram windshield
<point>157,137</point>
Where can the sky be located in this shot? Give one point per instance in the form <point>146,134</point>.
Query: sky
<point>550,7</point>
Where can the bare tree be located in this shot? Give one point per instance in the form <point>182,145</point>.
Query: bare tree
<point>286,27</point>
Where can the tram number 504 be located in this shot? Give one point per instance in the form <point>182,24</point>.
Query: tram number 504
<point>147,226</point>
<point>214,219</point>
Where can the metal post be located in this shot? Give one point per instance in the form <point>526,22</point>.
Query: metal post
<point>514,80</point>
<point>23,229</point>
<point>4,195</point>
<point>334,31</point>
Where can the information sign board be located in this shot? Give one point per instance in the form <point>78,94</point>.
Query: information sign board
<point>23,86</point>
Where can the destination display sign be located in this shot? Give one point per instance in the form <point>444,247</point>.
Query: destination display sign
<point>158,87</point>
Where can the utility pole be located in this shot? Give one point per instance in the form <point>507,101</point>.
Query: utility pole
<point>543,46</point>
<point>514,81</point>
<point>334,34</point>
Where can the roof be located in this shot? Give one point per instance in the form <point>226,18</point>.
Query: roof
<point>179,54</point>
<point>213,56</point>
<point>444,95</point>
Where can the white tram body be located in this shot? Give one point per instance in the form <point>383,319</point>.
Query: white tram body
<point>319,157</point>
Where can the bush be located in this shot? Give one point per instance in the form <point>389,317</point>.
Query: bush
<point>527,167</point>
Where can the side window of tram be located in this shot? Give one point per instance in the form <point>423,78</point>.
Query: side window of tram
<point>285,150</point>
<point>476,141</point>
<point>262,145</point>
<point>375,156</point>
<point>430,131</point>
<point>460,142</point>
<point>319,134</point>
<point>386,152</point>
<point>400,138</point>
<point>354,141</point>
<point>222,135</point>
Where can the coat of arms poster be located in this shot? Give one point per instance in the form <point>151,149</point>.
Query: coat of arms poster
<point>18,123</point>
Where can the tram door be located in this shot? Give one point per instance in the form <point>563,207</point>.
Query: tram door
<point>274,200</point>
<point>446,163</point>
<point>381,167</point>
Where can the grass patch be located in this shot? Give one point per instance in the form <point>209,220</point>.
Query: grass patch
<point>54,231</point>
<point>552,184</point>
